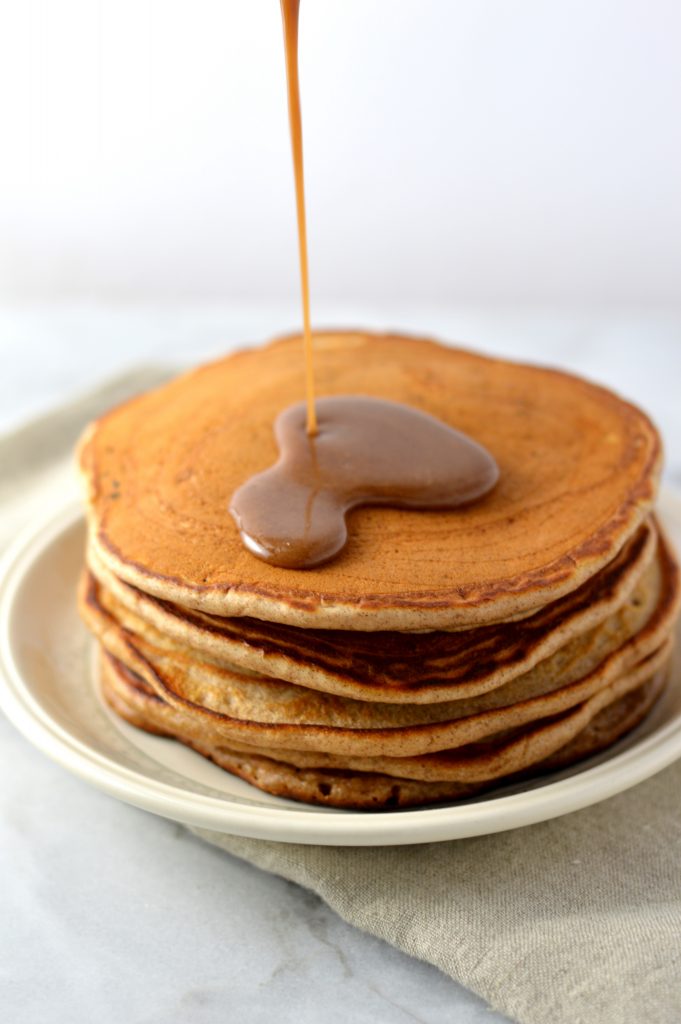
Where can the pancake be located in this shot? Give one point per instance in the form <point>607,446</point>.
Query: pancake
<point>498,755</point>
<point>365,790</point>
<point>441,653</point>
<point>579,469</point>
<point>262,711</point>
<point>392,667</point>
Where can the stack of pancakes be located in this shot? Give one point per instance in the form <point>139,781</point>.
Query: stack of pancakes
<point>441,653</point>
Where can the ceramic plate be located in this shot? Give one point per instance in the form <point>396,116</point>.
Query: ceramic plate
<point>48,689</point>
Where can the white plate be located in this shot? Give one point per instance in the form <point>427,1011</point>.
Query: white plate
<point>46,689</point>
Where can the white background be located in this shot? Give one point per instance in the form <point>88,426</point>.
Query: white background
<point>458,151</point>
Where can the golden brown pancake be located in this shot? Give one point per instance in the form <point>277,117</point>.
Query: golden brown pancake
<point>493,757</point>
<point>393,667</point>
<point>259,711</point>
<point>359,789</point>
<point>441,653</point>
<point>579,468</point>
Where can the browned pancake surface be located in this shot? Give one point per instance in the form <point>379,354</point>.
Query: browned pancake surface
<point>263,712</point>
<point>385,666</point>
<point>578,474</point>
<point>357,789</point>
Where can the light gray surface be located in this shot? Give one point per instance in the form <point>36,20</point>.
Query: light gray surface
<point>110,914</point>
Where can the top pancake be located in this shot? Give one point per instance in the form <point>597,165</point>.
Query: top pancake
<point>579,470</point>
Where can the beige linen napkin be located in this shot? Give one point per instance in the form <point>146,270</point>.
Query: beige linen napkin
<point>575,921</point>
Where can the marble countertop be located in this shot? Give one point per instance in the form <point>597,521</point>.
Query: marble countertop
<point>110,914</point>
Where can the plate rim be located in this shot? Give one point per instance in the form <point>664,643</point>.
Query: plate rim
<point>643,759</point>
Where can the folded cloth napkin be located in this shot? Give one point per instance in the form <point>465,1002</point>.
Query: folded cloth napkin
<point>577,920</point>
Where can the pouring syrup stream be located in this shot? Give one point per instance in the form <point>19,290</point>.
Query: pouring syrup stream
<point>289,12</point>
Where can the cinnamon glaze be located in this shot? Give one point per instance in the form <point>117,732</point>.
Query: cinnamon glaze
<point>367,451</point>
